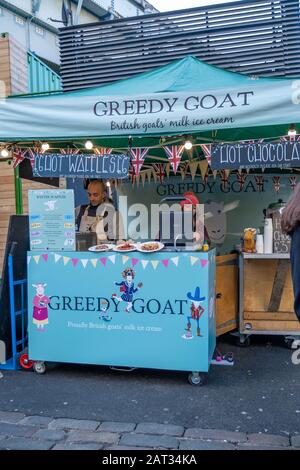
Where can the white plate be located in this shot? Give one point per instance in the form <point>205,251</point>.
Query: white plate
<point>140,247</point>
<point>117,248</point>
<point>109,247</point>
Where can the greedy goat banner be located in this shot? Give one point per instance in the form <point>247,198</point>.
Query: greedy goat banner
<point>73,115</point>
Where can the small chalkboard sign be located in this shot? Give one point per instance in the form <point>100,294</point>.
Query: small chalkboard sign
<point>281,241</point>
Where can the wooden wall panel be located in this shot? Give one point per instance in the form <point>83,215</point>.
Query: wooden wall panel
<point>13,66</point>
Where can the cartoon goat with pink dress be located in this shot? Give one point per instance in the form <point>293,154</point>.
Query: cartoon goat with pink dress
<point>40,307</point>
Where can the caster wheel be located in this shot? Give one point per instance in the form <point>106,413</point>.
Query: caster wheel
<point>243,343</point>
<point>197,378</point>
<point>228,357</point>
<point>25,362</point>
<point>39,367</point>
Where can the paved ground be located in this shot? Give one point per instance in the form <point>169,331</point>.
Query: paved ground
<point>254,404</point>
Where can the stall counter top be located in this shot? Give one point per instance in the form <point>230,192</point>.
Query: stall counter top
<point>266,256</point>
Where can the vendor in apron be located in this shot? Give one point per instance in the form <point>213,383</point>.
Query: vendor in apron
<point>98,216</point>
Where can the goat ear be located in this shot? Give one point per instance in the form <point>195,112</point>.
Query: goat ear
<point>230,206</point>
<point>34,285</point>
<point>44,285</point>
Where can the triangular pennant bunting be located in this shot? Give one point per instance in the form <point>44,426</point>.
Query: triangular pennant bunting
<point>154,264</point>
<point>175,260</point>
<point>37,259</point>
<point>134,261</point>
<point>84,262</point>
<point>75,261</point>
<point>193,169</point>
<point>174,154</point>
<point>204,263</point>
<point>45,257</point>
<point>193,260</point>
<point>18,157</point>
<point>137,158</point>
<point>112,258</point>
<point>28,259</point>
<point>203,167</point>
<point>165,262</point>
<point>66,260</point>
<point>56,257</point>
<point>102,151</point>
<point>144,263</point>
<point>103,261</point>
<point>206,148</point>
<point>94,262</point>
<point>125,259</point>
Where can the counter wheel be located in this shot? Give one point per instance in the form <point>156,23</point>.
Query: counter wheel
<point>25,362</point>
<point>39,367</point>
<point>243,342</point>
<point>197,378</point>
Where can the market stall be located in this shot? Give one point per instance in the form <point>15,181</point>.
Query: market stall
<point>168,121</point>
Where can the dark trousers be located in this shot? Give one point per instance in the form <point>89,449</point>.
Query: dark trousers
<point>295,266</point>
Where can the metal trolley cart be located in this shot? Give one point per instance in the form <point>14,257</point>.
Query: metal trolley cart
<point>266,297</point>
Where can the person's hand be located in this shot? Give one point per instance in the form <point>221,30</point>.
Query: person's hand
<point>140,284</point>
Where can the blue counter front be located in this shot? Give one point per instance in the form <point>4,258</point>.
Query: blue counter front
<point>134,310</point>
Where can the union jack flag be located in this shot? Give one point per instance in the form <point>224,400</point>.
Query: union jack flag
<point>137,158</point>
<point>276,181</point>
<point>207,152</point>
<point>224,179</point>
<point>293,182</point>
<point>103,151</point>
<point>290,138</point>
<point>159,169</point>
<point>174,156</point>
<point>241,180</point>
<point>132,174</point>
<point>31,153</point>
<point>259,183</point>
<point>69,151</point>
<point>18,157</point>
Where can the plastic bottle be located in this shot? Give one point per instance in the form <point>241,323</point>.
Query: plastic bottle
<point>268,236</point>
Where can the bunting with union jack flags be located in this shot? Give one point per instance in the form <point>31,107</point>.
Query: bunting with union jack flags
<point>277,184</point>
<point>174,154</point>
<point>69,151</point>
<point>103,151</point>
<point>159,169</point>
<point>18,157</point>
<point>31,153</point>
<point>259,183</point>
<point>137,158</point>
<point>224,179</point>
<point>293,182</point>
<point>241,180</point>
<point>206,148</point>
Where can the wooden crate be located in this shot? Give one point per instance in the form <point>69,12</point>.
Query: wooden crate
<point>227,291</point>
<point>268,300</point>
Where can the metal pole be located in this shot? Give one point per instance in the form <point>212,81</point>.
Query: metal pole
<point>18,192</point>
<point>77,14</point>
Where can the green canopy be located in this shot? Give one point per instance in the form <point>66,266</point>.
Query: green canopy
<point>185,97</point>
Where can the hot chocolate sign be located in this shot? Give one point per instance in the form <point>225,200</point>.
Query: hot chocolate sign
<point>257,155</point>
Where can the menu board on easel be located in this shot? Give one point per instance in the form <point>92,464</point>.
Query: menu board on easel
<point>281,241</point>
<point>51,219</point>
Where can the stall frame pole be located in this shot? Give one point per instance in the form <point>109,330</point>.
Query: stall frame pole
<point>13,362</point>
<point>18,192</point>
